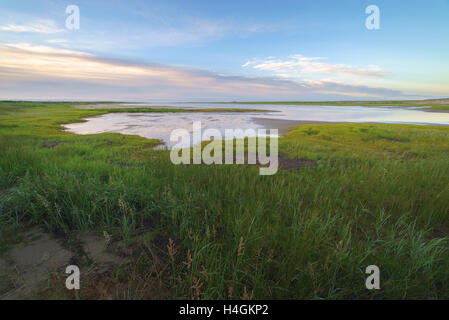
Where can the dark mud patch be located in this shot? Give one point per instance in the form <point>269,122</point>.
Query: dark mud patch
<point>284,162</point>
<point>50,145</point>
<point>392,139</point>
<point>295,164</point>
<point>120,164</point>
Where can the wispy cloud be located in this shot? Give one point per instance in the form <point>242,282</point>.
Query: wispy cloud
<point>38,26</point>
<point>44,71</point>
<point>299,66</point>
<point>57,41</point>
<point>195,31</point>
<point>12,52</point>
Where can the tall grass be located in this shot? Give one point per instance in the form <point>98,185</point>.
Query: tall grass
<point>379,195</point>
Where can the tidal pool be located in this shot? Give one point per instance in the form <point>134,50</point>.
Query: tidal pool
<point>160,125</point>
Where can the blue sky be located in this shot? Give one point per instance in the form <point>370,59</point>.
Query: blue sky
<point>224,50</point>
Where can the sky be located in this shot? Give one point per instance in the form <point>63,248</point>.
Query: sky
<point>224,50</point>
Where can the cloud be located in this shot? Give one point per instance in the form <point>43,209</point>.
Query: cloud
<point>58,41</point>
<point>39,26</point>
<point>194,31</point>
<point>14,51</point>
<point>28,71</point>
<point>297,66</point>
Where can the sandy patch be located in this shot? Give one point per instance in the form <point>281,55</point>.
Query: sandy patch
<point>30,262</point>
<point>437,110</point>
<point>27,268</point>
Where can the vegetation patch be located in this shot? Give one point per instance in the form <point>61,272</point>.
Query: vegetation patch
<point>225,232</point>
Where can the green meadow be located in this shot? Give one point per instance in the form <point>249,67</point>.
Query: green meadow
<point>376,195</point>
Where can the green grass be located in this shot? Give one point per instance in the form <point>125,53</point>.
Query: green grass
<point>379,195</point>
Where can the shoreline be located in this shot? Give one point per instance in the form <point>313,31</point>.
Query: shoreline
<point>285,126</point>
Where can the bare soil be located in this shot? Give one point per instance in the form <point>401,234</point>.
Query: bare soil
<point>28,267</point>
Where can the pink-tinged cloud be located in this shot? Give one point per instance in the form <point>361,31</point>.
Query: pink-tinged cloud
<point>300,66</point>
<point>39,26</point>
<point>42,72</point>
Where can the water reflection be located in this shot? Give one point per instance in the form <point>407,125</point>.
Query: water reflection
<point>160,125</point>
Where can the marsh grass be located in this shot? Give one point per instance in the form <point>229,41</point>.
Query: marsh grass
<point>379,195</point>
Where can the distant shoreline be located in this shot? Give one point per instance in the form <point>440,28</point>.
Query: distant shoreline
<point>431,104</point>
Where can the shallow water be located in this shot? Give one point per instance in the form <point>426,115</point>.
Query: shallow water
<point>160,125</point>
